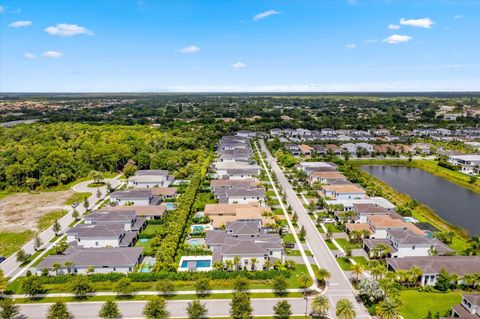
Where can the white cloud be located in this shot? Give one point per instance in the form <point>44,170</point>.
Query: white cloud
<point>2,9</point>
<point>189,49</point>
<point>29,56</point>
<point>67,30</point>
<point>265,14</point>
<point>19,24</point>
<point>425,23</point>
<point>370,41</point>
<point>393,27</point>
<point>52,54</point>
<point>238,65</point>
<point>397,38</point>
<point>458,16</point>
<point>350,46</point>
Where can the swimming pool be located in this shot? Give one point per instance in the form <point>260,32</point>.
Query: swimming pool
<point>143,240</point>
<point>198,263</point>
<point>148,264</point>
<point>197,229</point>
<point>170,206</point>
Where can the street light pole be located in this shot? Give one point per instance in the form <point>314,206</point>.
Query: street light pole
<point>306,307</point>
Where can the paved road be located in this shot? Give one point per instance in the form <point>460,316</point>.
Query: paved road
<point>339,286</point>
<point>10,265</point>
<point>177,308</point>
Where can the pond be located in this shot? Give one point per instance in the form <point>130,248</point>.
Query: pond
<point>455,204</point>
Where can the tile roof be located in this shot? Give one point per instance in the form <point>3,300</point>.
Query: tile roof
<point>460,265</point>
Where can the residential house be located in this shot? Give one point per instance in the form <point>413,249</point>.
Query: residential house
<point>431,266</point>
<point>221,214</point>
<point>79,260</point>
<point>293,149</point>
<point>469,308</point>
<point>137,197</point>
<point>246,134</point>
<point>469,164</point>
<point>150,179</point>
<point>147,212</point>
<point>381,224</point>
<point>248,242</point>
<point>339,192</point>
<point>305,150</point>
<point>326,177</point>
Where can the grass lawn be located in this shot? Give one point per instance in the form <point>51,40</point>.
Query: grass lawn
<point>417,304</point>
<point>147,246</point>
<point>346,244</point>
<point>11,242</point>
<point>202,199</point>
<point>77,198</point>
<point>278,211</point>
<point>294,252</point>
<point>47,220</point>
<point>150,230</point>
<point>96,185</point>
<point>333,228</point>
<point>331,245</point>
<point>288,238</point>
<point>346,265</point>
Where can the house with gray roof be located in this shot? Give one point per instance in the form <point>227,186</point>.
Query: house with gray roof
<point>100,260</point>
<point>150,178</point>
<point>469,308</point>
<point>107,229</point>
<point>247,241</point>
<point>137,197</point>
<point>431,266</point>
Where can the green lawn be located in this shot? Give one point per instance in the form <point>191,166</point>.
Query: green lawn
<point>294,252</point>
<point>150,230</point>
<point>346,265</point>
<point>77,198</point>
<point>333,228</point>
<point>11,242</point>
<point>96,185</point>
<point>288,238</point>
<point>331,245</point>
<point>417,304</point>
<point>147,246</point>
<point>344,243</point>
<point>48,219</point>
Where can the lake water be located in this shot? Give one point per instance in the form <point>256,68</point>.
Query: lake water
<point>455,204</point>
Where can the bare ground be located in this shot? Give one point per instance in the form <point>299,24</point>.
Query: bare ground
<point>21,212</point>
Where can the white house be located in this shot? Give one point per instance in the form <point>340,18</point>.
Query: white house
<point>340,192</point>
<point>470,164</point>
<point>150,179</point>
<point>137,197</point>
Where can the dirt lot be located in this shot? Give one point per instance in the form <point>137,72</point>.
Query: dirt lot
<point>21,212</point>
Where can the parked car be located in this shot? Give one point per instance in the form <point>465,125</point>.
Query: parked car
<point>329,221</point>
<point>2,259</point>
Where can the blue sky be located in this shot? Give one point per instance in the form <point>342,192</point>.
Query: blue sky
<point>213,45</point>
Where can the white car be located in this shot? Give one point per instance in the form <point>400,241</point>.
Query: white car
<point>329,221</point>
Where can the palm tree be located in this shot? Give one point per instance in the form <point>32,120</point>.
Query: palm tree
<point>229,264</point>
<point>236,261</point>
<point>345,310</point>
<point>90,270</point>
<point>254,262</point>
<point>69,265</point>
<point>267,264</point>
<point>415,273</point>
<point>320,306</point>
<point>55,267</point>
<point>323,275</point>
<point>389,309</point>
<point>357,270</point>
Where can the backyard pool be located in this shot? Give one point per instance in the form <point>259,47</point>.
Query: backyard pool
<point>170,206</point>
<point>148,263</point>
<point>198,229</point>
<point>195,263</point>
<point>196,241</point>
<point>143,240</point>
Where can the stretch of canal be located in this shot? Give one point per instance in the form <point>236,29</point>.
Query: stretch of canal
<point>455,204</point>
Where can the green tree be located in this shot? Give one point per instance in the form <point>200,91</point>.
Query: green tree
<point>3,282</point>
<point>56,227</point>
<point>345,310</point>
<point>80,286</point>
<point>302,233</point>
<point>124,287</point>
<point>109,310</point>
<point>196,310</point>
<point>129,170</point>
<point>9,309</point>
<point>282,310</point>
<point>75,214</point>
<point>389,309</point>
<point>165,286</point>
<point>279,285</point>
<point>31,286</point>
<point>240,284</point>
<point>240,306</point>
<point>156,308</point>
<point>202,286</point>
<point>444,281</point>
<point>37,243</point>
<point>21,256</point>
<point>58,310</point>
<point>357,270</point>
<point>320,306</point>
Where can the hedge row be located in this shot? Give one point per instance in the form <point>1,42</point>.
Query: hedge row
<point>180,276</point>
